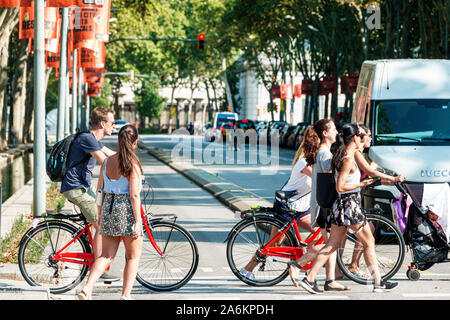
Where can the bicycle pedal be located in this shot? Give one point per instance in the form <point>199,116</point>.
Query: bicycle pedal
<point>303,244</point>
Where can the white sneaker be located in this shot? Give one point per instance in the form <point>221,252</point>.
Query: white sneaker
<point>385,286</point>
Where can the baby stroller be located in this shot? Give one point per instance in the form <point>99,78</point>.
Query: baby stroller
<point>423,234</point>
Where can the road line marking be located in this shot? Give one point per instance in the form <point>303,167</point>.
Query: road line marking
<point>426,295</point>
<point>320,297</point>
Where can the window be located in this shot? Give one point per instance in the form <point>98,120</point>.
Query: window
<point>412,122</point>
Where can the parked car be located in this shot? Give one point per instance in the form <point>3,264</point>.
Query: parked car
<point>273,127</point>
<point>212,134</point>
<point>118,125</point>
<point>296,136</point>
<point>247,126</point>
<point>285,132</point>
<point>260,125</point>
<point>230,125</point>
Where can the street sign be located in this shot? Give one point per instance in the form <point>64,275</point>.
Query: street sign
<point>172,111</point>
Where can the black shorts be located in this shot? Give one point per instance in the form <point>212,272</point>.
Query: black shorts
<point>278,206</point>
<point>322,219</point>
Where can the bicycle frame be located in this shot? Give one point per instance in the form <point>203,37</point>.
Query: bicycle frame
<point>88,258</point>
<point>290,252</point>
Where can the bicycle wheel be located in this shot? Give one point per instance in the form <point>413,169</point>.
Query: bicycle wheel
<point>37,248</point>
<point>389,250</point>
<point>178,263</point>
<point>243,245</point>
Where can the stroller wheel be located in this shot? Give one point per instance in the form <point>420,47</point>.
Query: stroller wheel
<point>413,274</point>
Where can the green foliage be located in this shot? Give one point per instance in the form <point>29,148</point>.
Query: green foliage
<point>104,99</point>
<point>148,101</point>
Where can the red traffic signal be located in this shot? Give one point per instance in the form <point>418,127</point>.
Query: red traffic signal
<point>200,41</point>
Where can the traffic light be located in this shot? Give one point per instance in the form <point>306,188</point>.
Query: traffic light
<point>200,41</point>
<point>161,80</point>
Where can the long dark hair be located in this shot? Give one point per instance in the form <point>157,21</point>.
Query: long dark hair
<point>313,138</point>
<point>343,139</point>
<point>127,153</point>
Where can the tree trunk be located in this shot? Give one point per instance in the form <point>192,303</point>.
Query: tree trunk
<point>29,104</point>
<point>8,20</point>
<point>20,92</point>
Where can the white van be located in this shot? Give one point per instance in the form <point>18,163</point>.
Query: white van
<point>406,103</point>
<point>220,118</point>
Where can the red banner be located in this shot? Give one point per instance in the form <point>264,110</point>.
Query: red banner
<point>88,44</point>
<point>94,58</point>
<point>284,90</point>
<point>327,85</point>
<point>349,83</point>
<point>15,3</point>
<point>53,44</point>
<point>298,90</point>
<point>26,22</point>
<point>93,72</point>
<point>52,60</point>
<point>275,91</point>
<point>94,92</point>
<point>74,3</point>
<point>307,87</point>
<point>92,23</point>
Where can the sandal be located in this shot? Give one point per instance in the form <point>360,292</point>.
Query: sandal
<point>293,265</point>
<point>126,298</point>
<point>84,295</point>
<point>248,274</point>
<point>359,273</point>
<point>327,287</point>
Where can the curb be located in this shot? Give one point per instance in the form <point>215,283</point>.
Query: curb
<point>232,195</point>
<point>10,154</point>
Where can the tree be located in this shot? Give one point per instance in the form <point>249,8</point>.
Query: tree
<point>148,101</point>
<point>9,17</point>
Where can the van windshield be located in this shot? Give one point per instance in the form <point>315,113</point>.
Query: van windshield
<point>412,122</point>
<point>223,118</point>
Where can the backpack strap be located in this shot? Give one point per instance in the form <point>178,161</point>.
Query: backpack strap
<point>77,134</point>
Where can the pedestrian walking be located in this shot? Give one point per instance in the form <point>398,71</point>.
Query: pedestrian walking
<point>346,211</point>
<point>317,144</point>
<point>120,182</point>
<point>367,169</point>
<point>300,181</point>
<point>85,151</point>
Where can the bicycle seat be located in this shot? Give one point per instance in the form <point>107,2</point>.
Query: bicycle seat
<point>284,195</point>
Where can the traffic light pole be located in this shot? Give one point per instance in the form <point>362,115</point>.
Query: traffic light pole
<point>151,39</point>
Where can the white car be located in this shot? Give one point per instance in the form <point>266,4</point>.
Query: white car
<point>119,124</point>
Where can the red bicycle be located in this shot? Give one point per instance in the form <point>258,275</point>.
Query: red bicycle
<point>253,245</point>
<point>250,244</point>
<point>57,253</point>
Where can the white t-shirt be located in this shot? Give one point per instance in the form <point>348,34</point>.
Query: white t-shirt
<point>298,180</point>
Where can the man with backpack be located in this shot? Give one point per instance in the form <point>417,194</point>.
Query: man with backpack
<point>85,150</point>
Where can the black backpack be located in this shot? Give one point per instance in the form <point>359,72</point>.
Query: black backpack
<point>57,160</point>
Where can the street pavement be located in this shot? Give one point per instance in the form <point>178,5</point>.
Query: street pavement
<point>209,220</point>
